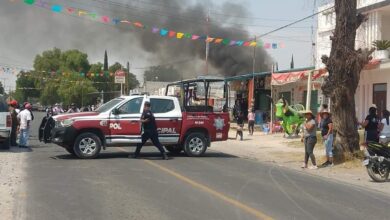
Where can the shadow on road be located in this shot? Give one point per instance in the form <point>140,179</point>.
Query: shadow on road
<point>16,150</point>
<point>146,155</point>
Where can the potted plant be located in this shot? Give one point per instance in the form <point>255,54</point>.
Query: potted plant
<point>382,48</point>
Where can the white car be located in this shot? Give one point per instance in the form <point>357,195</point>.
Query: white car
<point>5,124</point>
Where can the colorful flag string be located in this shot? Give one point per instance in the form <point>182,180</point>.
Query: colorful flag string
<point>163,32</point>
<point>17,70</point>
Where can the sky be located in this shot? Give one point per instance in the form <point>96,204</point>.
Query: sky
<point>29,30</point>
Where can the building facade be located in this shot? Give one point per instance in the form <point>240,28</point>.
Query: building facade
<point>375,78</point>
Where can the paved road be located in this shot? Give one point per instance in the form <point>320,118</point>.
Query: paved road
<point>217,186</point>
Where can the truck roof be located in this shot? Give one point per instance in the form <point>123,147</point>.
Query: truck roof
<point>149,96</point>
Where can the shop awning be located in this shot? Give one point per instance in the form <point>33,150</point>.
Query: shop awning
<point>291,77</point>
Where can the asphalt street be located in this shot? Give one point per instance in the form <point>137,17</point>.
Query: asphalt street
<point>217,186</point>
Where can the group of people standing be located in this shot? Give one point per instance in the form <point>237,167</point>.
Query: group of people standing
<point>375,126</point>
<point>21,123</point>
<point>309,137</point>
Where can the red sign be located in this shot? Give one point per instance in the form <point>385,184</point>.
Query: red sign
<point>120,76</point>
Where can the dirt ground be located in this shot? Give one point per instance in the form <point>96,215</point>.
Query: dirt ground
<point>289,153</point>
<point>11,177</point>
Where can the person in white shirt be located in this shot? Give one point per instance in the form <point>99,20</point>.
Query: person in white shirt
<point>57,109</point>
<point>73,109</point>
<point>384,126</point>
<point>25,118</point>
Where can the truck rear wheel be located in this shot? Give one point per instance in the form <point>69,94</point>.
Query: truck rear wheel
<point>195,144</point>
<point>87,146</point>
<point>174,149</point>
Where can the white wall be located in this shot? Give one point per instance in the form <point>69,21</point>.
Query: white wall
<point>364,93</point>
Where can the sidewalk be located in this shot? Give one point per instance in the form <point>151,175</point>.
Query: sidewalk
<point>289,153</point>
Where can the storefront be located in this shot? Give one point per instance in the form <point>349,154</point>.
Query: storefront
<point>252,92</point>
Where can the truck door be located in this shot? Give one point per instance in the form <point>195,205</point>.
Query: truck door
<point>125,127</point>
<point>168,119</point>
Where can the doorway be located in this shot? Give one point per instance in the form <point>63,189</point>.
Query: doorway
<point>379,96</point>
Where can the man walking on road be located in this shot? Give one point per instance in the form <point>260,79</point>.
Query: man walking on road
<point>25,118</point>
<point>149,132</point>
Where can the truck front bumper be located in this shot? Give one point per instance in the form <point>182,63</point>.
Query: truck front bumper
<point>63,136</point>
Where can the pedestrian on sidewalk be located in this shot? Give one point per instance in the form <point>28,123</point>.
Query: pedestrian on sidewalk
<point>13,108</point>
<point>240,125</point>
<point>371,125</point>
<point>309,138</point>
<point>149,132</point>
<point>326,126</point>
<point>251,122</point>
<point>25,118</point>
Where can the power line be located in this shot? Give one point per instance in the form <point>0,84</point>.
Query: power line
<point>180,18</point>
<point>295,22</point>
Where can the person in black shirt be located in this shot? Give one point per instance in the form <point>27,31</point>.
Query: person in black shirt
<point>327,136</point>
<point>371,125</point>
<point>240,125</point>
<point>149,132</point>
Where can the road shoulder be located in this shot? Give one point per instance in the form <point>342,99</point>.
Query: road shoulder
<point>289,153</point>
<point>12,174</point>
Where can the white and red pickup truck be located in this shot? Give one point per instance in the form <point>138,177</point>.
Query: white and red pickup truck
<point>181,125</point>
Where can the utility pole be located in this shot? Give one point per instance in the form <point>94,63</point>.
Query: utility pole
<point>253,76</point>
<point>207,43</point>
<point>127,78</point>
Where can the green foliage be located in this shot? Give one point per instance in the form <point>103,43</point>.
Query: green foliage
<point>56,60</point>
<point>96,68</point>
<point>49,94</point>
<point>1,88</point>
<point>132,81</point>
<point>73,88</point>
<point>76,89</point>
<point>381,44</point>
<point>26,86</point>
<point>113,68</point>
<point>74,60</point>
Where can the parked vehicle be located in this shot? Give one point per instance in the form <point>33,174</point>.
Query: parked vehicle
<point>5,124</point>
<point>377,159</point>
<point>189,122</point>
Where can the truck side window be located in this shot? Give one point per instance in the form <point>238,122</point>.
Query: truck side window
<point>162,105</point>
<point>131,107</point>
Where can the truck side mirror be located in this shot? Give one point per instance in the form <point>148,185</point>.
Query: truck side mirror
<point>115,111</point>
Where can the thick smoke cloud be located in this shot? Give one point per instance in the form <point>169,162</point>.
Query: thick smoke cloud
<point>28,30</point>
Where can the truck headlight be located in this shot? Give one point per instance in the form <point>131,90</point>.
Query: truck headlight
<point>64,123</point>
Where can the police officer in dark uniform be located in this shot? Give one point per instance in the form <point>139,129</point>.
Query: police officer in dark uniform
<point>149,132</point>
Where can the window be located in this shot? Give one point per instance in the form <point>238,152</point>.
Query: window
<point>108,105</point>
<point>161,105</point>
<point>131,107</point>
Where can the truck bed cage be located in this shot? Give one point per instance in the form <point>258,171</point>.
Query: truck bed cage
<point>184,86</point>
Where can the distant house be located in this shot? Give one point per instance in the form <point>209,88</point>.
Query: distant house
<point>375,78</point>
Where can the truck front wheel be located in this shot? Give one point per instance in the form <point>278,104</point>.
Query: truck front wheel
<point>87,146</point>
<point>195,144</point>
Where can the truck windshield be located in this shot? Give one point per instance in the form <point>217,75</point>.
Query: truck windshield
<point>109,105</point>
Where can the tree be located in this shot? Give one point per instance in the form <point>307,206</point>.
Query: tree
<point>132,81</point>
<point>56,60</point>
<point>75,61</point>
<point>49,94</point>
<point>105,61</point>
<point>78,90</point>
<point>162,73</point>
<point>344,66</point>
<point>1,88</point>
<point>26,86</point>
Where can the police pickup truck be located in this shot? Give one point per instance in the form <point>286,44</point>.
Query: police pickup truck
<point>188,126</point>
